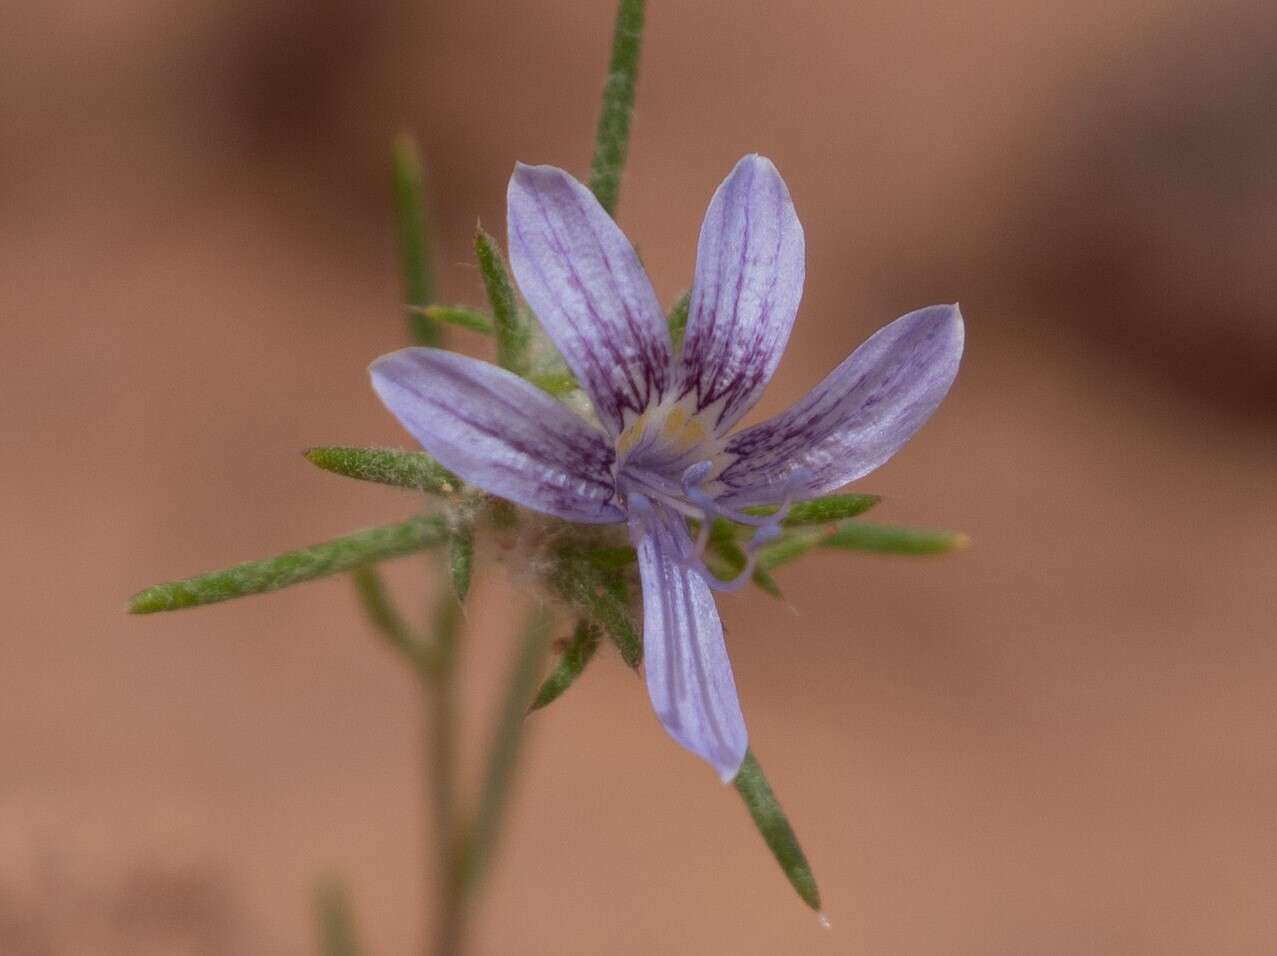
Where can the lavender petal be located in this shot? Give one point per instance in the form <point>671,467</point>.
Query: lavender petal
<point>689,677</point>
<point>584,281</point>
<point>855,419</point>
<point>499,432</point>
<point>745,294</point>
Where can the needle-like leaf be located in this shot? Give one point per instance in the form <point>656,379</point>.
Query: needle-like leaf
<point>601,597</point>
<point>456,315</point>
<point>852,535</point>
<point>415,256</point>
<point>893,539</point>
<point>511,331</point>
<point>579,651</point>
<point>388,466</point>
<point>612,141</point>
<point>770,819</point>
<point>293,567</point>
<point>677,320</point>
<point>823,510</point>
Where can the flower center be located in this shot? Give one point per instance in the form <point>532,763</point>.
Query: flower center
<point>665,457</point>
<point>666,438</point>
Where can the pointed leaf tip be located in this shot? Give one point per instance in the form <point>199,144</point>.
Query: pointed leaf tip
<point>456,315</point>
<point>774,827</point>
<point>387,466</point>
<point>893,539</point>
<point>513,334</point>
<point>576,655</point>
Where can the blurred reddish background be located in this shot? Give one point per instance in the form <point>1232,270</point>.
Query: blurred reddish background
<point>1059,741</point>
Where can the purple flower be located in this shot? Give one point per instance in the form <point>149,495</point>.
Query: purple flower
<point>661,452</point>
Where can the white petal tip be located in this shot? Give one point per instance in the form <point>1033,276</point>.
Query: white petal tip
<point>823,920</point>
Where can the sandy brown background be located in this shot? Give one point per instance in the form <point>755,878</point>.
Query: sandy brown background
<point>1060,741</point>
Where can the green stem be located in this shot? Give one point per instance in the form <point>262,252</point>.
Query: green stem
<point>383,614</point>
<point>494,796</point>
<point>439,693</point>
<point>334,915</point>
<point>414,240</point>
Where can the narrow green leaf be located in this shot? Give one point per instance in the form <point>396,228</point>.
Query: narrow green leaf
<point>293,567</point>
<point>893,539</point>
<point>512,334</point>
<point>612,141</point>
<point>494,794</point>
<point>415,256</point>
<point>388,466</point>
<point>579,651</point>
<point>853,535</point>
<point>787,548</point>
<point>456,315</point>
<point>677,320</point>
<point>601,597</point>
<point>822,510</point>
<point>556,383</point>
<point>335,919</point>
<point>770,819</point>
<point>383,614</point>
<point>766,583</point>
<point>461,558</point>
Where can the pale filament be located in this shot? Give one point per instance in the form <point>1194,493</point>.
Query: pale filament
<point>643,487</point>
<point>766,527</point>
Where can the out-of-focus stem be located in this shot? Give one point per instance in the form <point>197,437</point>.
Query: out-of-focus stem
<point>438,687</point>
<point>503,752</point>
<point>415,255</point>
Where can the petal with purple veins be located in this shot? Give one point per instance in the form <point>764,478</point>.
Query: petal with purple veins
<point>855,419</point>
<point>499,432</point>
<point>584,281</point>
<point>689,677</point>
<point>745,294</point>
